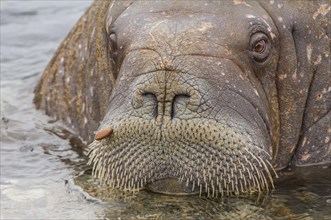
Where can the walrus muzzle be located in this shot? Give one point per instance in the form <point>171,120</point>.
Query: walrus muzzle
<point>160,141</point>
<point>207,156</point>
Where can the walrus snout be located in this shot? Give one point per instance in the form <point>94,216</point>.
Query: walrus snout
<point>179,133</point>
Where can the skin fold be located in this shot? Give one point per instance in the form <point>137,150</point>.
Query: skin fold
<point>206,97</point>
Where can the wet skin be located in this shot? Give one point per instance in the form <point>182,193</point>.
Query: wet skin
<point>205,97</point>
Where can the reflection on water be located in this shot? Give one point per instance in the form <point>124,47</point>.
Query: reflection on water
<point>294,198</point>
<point>35,163</point>
<point>43,167</point>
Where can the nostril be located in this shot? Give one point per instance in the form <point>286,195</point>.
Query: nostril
<point>150,101</point>
<point>181,97</point>
<point>179,104</point>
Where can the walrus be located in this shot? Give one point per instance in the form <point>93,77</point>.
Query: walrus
<point>209,97</point>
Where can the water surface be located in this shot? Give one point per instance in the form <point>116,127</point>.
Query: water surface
<point>43,171</point>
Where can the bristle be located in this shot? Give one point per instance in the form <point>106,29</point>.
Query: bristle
<point>131,162</point>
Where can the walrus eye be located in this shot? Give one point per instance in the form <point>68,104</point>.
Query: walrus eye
<point>260,47</point>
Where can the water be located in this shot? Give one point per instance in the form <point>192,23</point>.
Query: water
<point>34,162</point>
<point>44,176</point>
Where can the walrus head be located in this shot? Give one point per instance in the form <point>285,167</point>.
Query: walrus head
<point>186,105</point>
<point>198,96</point>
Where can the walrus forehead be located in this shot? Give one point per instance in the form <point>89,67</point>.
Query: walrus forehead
<point>222,9</point>
<point>207,25</point>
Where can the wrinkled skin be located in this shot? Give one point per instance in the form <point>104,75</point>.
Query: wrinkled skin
<point>216,95</point>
